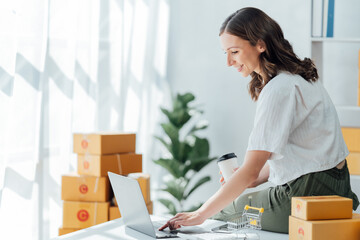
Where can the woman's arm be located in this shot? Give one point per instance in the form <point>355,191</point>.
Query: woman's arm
<point>263,176</point>
<point>239,181</point>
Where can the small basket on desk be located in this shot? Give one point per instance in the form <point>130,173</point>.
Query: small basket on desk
<point>250,219</point>
<point>243,227</point>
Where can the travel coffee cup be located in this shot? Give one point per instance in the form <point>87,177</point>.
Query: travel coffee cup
<point>228,165</point>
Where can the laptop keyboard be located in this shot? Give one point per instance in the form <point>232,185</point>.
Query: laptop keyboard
<point>165,233</point>
<point>161,234</point>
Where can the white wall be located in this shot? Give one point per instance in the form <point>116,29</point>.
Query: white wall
<point>197,64</point>
<point>341,58</point>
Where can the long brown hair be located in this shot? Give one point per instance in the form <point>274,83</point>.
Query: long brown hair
<point>252,24</point>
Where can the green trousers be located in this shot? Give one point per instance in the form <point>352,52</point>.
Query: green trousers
<point>276,201</point>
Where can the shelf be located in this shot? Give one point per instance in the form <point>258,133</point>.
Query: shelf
<point>349,116</point>
<point>344,40</point>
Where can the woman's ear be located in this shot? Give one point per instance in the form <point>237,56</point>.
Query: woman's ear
<point>261,46</point>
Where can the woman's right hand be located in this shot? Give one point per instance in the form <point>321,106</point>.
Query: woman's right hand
<point>184,219</point>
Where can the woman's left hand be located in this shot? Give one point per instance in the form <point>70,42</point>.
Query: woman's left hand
<point>183,219</point>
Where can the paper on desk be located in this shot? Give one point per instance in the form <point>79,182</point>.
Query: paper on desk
<point>210,235</point>
<point>189,232</point>
<point>202,228</point>
<point>218,236</point>
<point>203,231</point>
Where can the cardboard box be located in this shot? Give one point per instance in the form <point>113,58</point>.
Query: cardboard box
<point>85,188</point>
<point>321,207</point>
<point>63,231</point>
<point>353,161</point>
<point>144,182</point>
<point>339,229</point>
<point>84,214</point>
<point>100,165</point>
<point>104,143</point>
<point>150,207</point>
<point>114,213</point>
<point>352,138</point>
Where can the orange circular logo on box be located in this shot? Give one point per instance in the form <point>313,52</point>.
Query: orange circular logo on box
<point>82,215</point>
<point>84,144</point>
<point>298,207</point>
<point>301,233</point>
<point>83,188</point>
<point>86,164</point>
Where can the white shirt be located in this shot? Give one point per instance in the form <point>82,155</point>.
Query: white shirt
<point>297,122</point>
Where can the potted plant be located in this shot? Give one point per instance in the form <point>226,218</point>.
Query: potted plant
<point>188,153</point>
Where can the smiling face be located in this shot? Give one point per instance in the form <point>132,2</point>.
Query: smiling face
<point>241,54</point>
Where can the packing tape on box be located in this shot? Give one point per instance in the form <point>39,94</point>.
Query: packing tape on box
<point>88,212</point>
<point>82,181</point>
<point>119,163</point>
<point>135,175</point>
<point>88,160</point>
<point>96,184</point>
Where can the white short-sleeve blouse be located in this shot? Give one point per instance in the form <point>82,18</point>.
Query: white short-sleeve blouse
<point>297,122</point>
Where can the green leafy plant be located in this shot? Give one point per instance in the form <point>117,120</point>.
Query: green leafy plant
<point>188,153</point>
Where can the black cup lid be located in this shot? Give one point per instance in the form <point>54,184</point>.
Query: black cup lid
<point>226,156</point>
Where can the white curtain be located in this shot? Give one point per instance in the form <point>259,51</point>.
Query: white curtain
<point>72,66</point>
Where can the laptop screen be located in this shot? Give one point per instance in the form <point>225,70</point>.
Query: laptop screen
<point>131,204</point>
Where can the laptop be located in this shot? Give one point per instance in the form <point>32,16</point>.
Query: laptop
<point>133,208</point>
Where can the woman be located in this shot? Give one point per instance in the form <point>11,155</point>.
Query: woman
<point>296,142</point>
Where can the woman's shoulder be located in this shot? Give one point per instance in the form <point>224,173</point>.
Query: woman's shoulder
<point>283,82</point>
<point>285,79</point>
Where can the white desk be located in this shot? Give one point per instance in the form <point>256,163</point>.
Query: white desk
<point>116,230</point>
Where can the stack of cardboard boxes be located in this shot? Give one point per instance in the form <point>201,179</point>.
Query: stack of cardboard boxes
<point>323,218</point>
<point>87,195</point>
